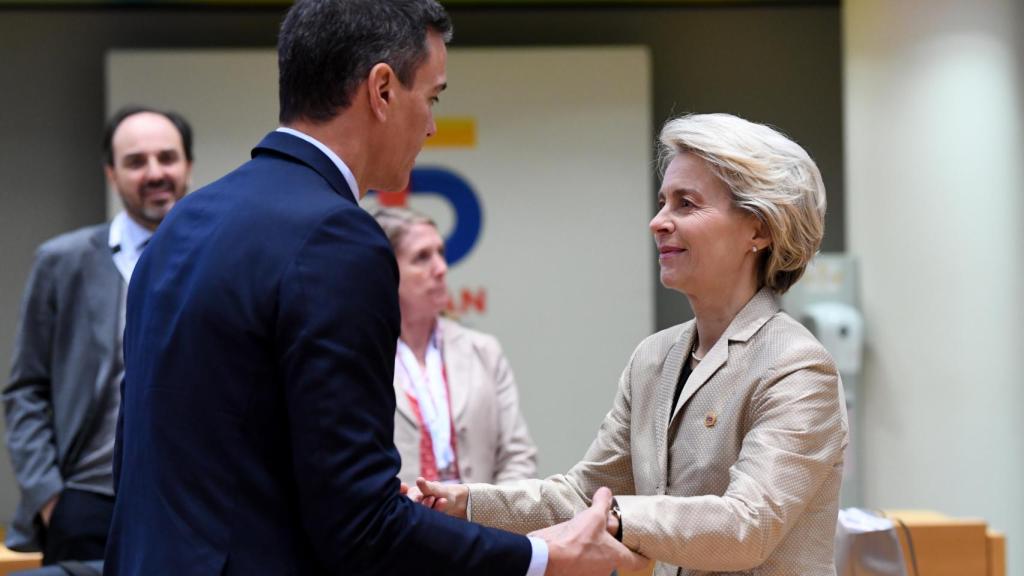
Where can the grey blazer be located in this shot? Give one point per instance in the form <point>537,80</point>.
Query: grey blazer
<point>742,477</point>
<point>67,348</point>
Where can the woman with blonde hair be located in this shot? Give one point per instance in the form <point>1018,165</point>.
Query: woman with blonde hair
<point>457,417</point>
<point>724,445</point>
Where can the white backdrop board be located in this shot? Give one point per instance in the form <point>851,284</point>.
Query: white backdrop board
<point>540,177</point>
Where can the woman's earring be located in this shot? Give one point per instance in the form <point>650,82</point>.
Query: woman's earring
<point>754,249</point>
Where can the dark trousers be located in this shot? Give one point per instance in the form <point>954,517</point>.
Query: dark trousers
<point>78,527</point>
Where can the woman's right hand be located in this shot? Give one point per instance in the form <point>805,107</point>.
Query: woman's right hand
<point>452,499</point>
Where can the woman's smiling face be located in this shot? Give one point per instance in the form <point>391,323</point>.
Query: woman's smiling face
<point>704,241</point>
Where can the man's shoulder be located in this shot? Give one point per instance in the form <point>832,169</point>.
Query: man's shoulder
<point>349,224</point>
<point>280,184</point>
<point>74,242</point>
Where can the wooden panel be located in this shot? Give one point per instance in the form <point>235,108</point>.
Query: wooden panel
<point>996,553</point>
<point>11,561</point>
<point>943,546</point>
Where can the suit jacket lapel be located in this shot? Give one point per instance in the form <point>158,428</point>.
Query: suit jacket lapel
<point>456,350</point>
<point>670,372</point>
<point>282,143</point>
<point>748,321</point>
<point>104,286</point>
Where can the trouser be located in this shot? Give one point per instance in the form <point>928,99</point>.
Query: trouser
<point>78,527</point>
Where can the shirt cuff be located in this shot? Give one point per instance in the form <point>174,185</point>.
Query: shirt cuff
<point>539,558</point>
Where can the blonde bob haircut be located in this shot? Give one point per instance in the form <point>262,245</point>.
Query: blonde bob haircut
<point>396,222</point>
<point>769,176</point>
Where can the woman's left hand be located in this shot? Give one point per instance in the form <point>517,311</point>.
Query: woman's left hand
<point>452,499</point>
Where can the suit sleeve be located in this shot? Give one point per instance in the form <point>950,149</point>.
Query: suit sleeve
<point>337,330</point>
<point>27,398</point>
<point>517,454</point>
<point>534,504</point>
<point>795,442</point>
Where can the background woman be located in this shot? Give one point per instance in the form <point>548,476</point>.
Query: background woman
<point>458,416</point>
<point>724,445</point>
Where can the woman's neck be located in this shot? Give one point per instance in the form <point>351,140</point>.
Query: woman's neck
<point>714,313</point>
<point>416,333</point>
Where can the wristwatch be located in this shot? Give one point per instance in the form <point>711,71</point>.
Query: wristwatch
<point>617,513</point>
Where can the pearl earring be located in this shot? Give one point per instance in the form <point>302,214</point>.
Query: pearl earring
<point>754,249</point>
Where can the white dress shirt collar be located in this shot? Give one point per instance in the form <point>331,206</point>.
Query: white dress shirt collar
<point>126,239</point>
<point>342,167</point>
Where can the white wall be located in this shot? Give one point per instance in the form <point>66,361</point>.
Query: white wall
<point>935,197</point>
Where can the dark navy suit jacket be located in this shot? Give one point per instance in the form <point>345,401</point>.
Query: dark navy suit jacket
<point>258,408</point>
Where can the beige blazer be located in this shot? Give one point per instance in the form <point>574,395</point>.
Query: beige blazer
<point>742,478</point>
<point>493,443</point>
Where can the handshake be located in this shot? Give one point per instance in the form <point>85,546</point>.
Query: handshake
<point>582,546</point>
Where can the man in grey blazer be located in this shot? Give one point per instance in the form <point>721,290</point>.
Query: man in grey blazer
<point>62,398</point>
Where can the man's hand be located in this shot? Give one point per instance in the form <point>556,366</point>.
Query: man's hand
<point>583,546</point>
<point>47,510</point>
<point>451,499</point>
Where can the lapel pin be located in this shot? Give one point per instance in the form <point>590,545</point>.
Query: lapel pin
<point>710,419</point>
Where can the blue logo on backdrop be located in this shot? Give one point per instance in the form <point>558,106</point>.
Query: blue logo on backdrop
<point>453,188</point>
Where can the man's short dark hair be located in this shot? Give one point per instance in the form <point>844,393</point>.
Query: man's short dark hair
<point>121,115</point>
<point>327,47</point>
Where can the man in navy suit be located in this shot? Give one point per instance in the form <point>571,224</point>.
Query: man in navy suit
<point>257,409</point>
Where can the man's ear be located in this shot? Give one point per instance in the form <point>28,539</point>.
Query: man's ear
<point>380,84</point>
<point>109,171</point>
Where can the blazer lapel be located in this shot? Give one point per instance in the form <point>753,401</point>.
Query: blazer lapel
<point>456,350</point>
<point>105,288</point>
<point>670,372</point>
<point>714,360</point>
<point>748,321</point>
